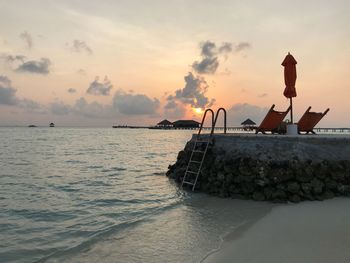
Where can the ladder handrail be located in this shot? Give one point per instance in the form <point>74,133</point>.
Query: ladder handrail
<point>203,119</point>
<point>216,118</point>
<point>213,123</point>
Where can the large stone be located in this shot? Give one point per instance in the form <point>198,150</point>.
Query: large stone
<point>306,187</point>
<point>293,187</point>
<point>279,195</point>
<point>258,196</point>
<point>295,198</point>
<point>317,186</point>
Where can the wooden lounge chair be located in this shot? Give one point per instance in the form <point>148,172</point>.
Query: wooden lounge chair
<point>309,120</point>
<point>272,120</point>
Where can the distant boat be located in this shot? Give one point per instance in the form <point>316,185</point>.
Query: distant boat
<point>52,124</point>
<point>31,126</point>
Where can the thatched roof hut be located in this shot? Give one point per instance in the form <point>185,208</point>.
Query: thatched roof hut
<point>248,122</point>
<point>186,124</point>
<point>164,123</point>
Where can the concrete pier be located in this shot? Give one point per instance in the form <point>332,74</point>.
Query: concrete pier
<point>277,168</point>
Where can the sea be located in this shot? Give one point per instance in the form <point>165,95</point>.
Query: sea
<point>101,195</point>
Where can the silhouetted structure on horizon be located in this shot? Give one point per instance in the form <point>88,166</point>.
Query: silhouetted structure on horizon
<point>186,124</point>
<point>165,124</point>
<point>248,125</point>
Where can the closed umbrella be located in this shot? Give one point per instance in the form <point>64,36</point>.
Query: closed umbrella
<point>290,76</point>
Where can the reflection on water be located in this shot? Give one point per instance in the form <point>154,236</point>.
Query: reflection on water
<point>100,194</point>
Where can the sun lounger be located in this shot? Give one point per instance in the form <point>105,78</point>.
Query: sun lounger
<point>309,120</point>
<point>272,120</point>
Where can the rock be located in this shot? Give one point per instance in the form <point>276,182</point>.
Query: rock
<point>303,176</point>
<point>221,176</point>
<point>317,186</point>
<point>181,155</point>
<point>331,184</point>
<point>293,187</point>
<point>279,195</point>
<point>328,194</point>
<point>268,191</point>
<point>295,198</point>
<point>344,189</point>
<point>306,187</point>
<point>260,182</point>
<point>339,176</point>
<point>258,196</point>
<point>247,188</point>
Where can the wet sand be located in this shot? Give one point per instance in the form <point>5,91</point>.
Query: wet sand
<point>305,232</point>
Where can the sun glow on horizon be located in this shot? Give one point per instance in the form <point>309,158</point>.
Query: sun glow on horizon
<point>198,110</point>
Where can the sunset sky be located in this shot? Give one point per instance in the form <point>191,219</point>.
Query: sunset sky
<point>99,63</point>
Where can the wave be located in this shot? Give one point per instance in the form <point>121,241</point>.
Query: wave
<point>102,234</point>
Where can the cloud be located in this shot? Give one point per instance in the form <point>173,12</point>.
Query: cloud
<point>27,38</point>
<point>242,46</point>
<point>30,105</point>
<point>83,108</point>
<point>93,109</point>
<point>241,111</point>
<point>41,66</point>
<point>7,92</point>
<point>172,109</point>
<point>81,46</point>
<point>12,59</point>
<point>8,96</point>
<point>134,104</point>
<point>59,108</point>
<point>71,90</point>
<point>210,57</point>
<point>225,48</point>
<point>207,65</point>
<point>100,88</point>
<point>194,92</point>
<point>123,103</point>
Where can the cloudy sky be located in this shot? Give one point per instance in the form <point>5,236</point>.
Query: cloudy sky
<point>98,63</point>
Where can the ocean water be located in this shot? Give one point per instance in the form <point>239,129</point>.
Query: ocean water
<point>101,195</point>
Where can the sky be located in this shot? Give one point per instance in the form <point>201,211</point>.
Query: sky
<point>104,63</point>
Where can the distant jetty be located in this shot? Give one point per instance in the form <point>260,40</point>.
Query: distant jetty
<point>166,125</point>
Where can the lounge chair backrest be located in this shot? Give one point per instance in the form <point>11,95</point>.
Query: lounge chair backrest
<point>309,120</point>
<point>272,119</point>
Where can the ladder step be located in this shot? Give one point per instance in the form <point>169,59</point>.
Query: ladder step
<point>194,161</point>
<point>187,182</point>
<point>191,172</point>
<point>196,151</point>
<point>202,141</point>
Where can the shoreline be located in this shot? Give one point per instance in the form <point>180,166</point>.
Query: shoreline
<point>304,232</point>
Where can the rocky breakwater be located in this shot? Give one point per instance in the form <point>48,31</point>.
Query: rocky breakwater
<point>274,168</point>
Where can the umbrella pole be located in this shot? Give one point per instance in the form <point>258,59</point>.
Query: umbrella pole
<point>291,110</point>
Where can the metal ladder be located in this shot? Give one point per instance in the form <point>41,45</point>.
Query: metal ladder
<point>195,163</point>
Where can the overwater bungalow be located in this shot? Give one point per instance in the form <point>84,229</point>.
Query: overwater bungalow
<point>165,124</point>
<point>186,124</point>
<point>248,125</point>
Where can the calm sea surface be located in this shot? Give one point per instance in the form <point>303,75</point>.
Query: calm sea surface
<point>100,195</point>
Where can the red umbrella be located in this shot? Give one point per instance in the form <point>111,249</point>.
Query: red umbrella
<point>290,76</point>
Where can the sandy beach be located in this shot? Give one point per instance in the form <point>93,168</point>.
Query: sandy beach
<point>305,232</point>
